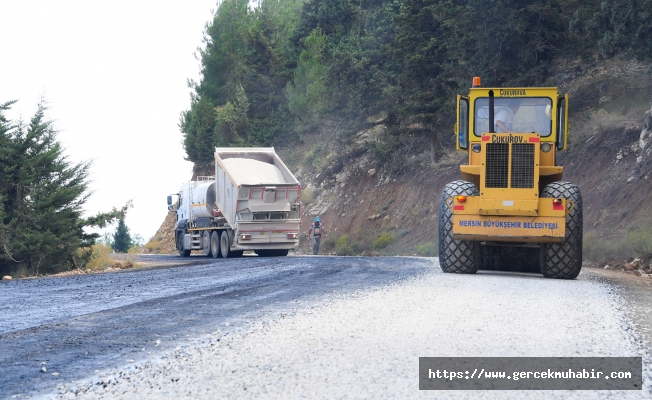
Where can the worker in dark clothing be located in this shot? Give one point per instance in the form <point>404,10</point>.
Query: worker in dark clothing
<point>315,233</point>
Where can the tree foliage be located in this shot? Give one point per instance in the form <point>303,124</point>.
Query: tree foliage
<point>298,62</point>
<point>122,241</point>
<point>306,92</point>
<point>41,198</point>
<point>246,64</point>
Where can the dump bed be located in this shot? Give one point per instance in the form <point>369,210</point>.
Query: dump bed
<point>257,193</point>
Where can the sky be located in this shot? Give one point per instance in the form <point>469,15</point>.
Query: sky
<point>114,75</point>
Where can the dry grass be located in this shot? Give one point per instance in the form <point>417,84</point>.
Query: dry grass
<point>102,259</point>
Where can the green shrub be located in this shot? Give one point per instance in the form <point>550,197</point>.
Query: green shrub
<point>384,240</point>
<point>314,157</point>
<point>641,242</point>
<point>428,249</point>
<point>344,247</point>
<point>403,232</point>
<point>328,243</point>
<point>362,240</point>
<point>596,248</point>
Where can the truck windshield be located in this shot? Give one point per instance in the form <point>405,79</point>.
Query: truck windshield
<point>522,115</point>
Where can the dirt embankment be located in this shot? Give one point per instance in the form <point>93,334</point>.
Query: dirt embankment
<point>613,171</point>
<point>163,241</point>
<point>610,156</point>
<point>364,201</point>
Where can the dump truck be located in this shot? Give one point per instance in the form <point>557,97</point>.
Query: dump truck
<point>511,210</point>
<point>252,203</point>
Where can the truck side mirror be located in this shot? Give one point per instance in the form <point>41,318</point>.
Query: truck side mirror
<point>563,127</point>
<point>169,200</point>
<point>462,125</point>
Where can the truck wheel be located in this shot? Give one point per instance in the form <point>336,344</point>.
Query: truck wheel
<point>225,244</point>
<point>456,256</point>
<point>182,250</point>
<point>206,243</point>
<point>564,260</point>
<point>215,244</point>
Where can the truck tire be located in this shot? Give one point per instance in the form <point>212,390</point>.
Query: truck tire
<point>182,250</point>
<point>564,260</point>
<point>206,243</point>
<point>456,256</point>
<point>225,244</point>
<point>215,244</point>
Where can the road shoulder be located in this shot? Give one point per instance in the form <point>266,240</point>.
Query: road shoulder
<point>636,291</point>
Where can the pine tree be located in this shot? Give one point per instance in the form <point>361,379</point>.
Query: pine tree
<point>122,239</point>
<point>41,198</point>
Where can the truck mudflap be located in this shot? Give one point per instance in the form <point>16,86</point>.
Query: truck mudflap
<point>547,226</point>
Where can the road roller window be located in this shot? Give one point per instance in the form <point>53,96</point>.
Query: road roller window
<point>523,115</point>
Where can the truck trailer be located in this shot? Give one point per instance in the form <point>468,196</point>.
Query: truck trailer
<point>251,203</point>
<point>511,210</point>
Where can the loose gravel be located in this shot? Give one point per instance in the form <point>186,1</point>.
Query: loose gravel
<point>253,172</point>
<point>367,344</point>
<point>75,325</point>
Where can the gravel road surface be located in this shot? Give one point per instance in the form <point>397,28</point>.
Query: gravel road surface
<point>78,324</point>
<point>298,327</point>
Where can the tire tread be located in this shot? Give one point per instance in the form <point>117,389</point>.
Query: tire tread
<point>564,260</point>
<point>456,256</point>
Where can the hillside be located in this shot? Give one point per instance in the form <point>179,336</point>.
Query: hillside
<point>609,159</point>
<point>358,98</point>
<point>360,197</point>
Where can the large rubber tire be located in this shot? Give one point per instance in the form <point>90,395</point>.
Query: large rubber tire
<point>225,244</point>
<point>456,256</point>
<point>215,244</point>
<point>564,260</point>
<point>206,243</point>
<point>182,251</point>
